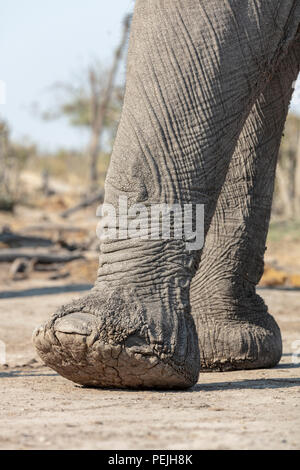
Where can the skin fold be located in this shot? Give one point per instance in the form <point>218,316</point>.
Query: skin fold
<point>195,70</point>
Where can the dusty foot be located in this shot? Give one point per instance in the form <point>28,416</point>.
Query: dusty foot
<point>239,343</point>
<point>112,341</point>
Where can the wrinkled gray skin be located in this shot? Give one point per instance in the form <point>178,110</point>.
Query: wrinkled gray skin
<point>234,327</point>
<point>207,92</point>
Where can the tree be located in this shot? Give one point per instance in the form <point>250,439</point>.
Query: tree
<point>100,103</point>
<point>13,158</point>
<point>287,187</point>
<point>95,103</point>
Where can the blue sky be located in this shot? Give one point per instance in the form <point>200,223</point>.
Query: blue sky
<point>43,42</point>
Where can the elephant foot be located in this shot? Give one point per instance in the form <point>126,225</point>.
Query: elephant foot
<point>113,341</point>
<point>235,343</point>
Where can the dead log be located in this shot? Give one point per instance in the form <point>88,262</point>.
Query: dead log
<point>88,201</point>
<point>59,275</point>
<point>21,268</point>
<point>15,240</point>
<point>47,268</point>
<point>47,227</point>
<point>44,257</point>
<point>100,106</point>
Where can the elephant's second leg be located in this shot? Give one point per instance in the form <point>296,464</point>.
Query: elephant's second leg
<point>234,327</point>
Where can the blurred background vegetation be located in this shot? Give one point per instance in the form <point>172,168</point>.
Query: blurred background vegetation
<point>85,170</point>
<point>43,185</point>
<point>92,100</point>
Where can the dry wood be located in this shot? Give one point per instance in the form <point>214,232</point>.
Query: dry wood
<point>21,268</point>
<point>11,254</point>
<point>100,106</point>
<point>47,227</point>
<point>16,240</point>
<point>88,201</point>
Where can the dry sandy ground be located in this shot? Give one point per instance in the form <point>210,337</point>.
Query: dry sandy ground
<point>236,410</point>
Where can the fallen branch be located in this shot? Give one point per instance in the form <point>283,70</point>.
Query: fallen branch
<point>98,197</point>
<point>21,268</point>
<point>47,227</point>
<point>9,255</point>
<point>16,240</point>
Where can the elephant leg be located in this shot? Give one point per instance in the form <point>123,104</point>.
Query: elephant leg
<point>234,327</point>
<point>180,123</point>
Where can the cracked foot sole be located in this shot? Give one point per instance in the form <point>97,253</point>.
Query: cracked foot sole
<point>72,348</point>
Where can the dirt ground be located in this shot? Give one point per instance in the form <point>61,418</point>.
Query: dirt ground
<point>234,410</point>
